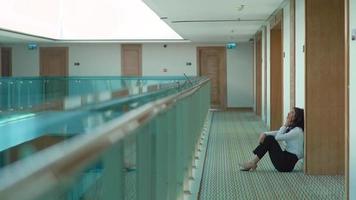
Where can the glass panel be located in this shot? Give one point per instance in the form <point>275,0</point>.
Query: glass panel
<point>62,118</point>
<point>153,162</point>
<point>25,93</point>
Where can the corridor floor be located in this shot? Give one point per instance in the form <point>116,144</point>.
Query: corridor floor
<point>232,137</point>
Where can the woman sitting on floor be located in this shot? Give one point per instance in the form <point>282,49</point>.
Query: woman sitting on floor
<point>292,134</point>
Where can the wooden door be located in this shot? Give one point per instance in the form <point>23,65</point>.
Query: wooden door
<point>131,60</point>
<point>54,61</point>
<point>276,97</point>
<point>326,83</point>
<point>259,74</point>
<point>212,63</point>
<point>6,62</point>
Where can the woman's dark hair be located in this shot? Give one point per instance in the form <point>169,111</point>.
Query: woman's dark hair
<point>298,119</point>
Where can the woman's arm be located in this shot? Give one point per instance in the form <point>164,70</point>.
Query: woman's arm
<point>282,130</point>
<point>270,133</point>
<point>264,134</point>
<point>287,136</point>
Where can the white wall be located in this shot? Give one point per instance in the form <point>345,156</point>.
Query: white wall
<point>240,75</point>
<point>286,59</point>
<point>24,62</point>
<point>352,89</point>
<point>94,59</point>
<point>299,54</point>
<point>174,58</point>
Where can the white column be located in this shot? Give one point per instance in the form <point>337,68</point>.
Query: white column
<point>299,53</point>
<point>286,60</point>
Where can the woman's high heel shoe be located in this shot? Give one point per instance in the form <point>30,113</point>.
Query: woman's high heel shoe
<point>248,166</point>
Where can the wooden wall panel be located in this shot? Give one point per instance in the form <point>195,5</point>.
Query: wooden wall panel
<point>276,77</point>
<point>325,87</point>
<point>5,61</point>
<point>259,74</point>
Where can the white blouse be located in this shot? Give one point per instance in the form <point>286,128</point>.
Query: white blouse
<point>294,140</point>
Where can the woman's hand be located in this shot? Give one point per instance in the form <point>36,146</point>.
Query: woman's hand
<point>290,118</point>
<point>262,138</point>
<point>288,121</point>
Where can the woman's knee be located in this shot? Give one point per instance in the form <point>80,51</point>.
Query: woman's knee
<point>269,138</point>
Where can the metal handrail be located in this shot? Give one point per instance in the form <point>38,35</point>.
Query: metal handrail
<point>26,180</point>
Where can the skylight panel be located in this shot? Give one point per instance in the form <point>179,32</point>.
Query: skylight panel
<point>35,17</point>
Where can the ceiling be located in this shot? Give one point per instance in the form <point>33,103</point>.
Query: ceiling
<point>201,21</point>
<point>212,20</point>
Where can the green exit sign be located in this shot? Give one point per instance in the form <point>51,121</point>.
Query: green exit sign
<point>231,45</point>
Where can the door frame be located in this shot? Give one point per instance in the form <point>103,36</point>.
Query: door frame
<point>41,59</point>
<point>223,75</point>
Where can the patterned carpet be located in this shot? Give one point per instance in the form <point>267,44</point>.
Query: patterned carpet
<point>233,136</point>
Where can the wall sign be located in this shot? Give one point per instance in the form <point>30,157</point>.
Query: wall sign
<point>231,45</point>
<point>353,37</point>
<point>32,46</point>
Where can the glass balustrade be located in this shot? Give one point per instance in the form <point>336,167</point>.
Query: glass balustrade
<point>56,119</point>
<point>27,92</point>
